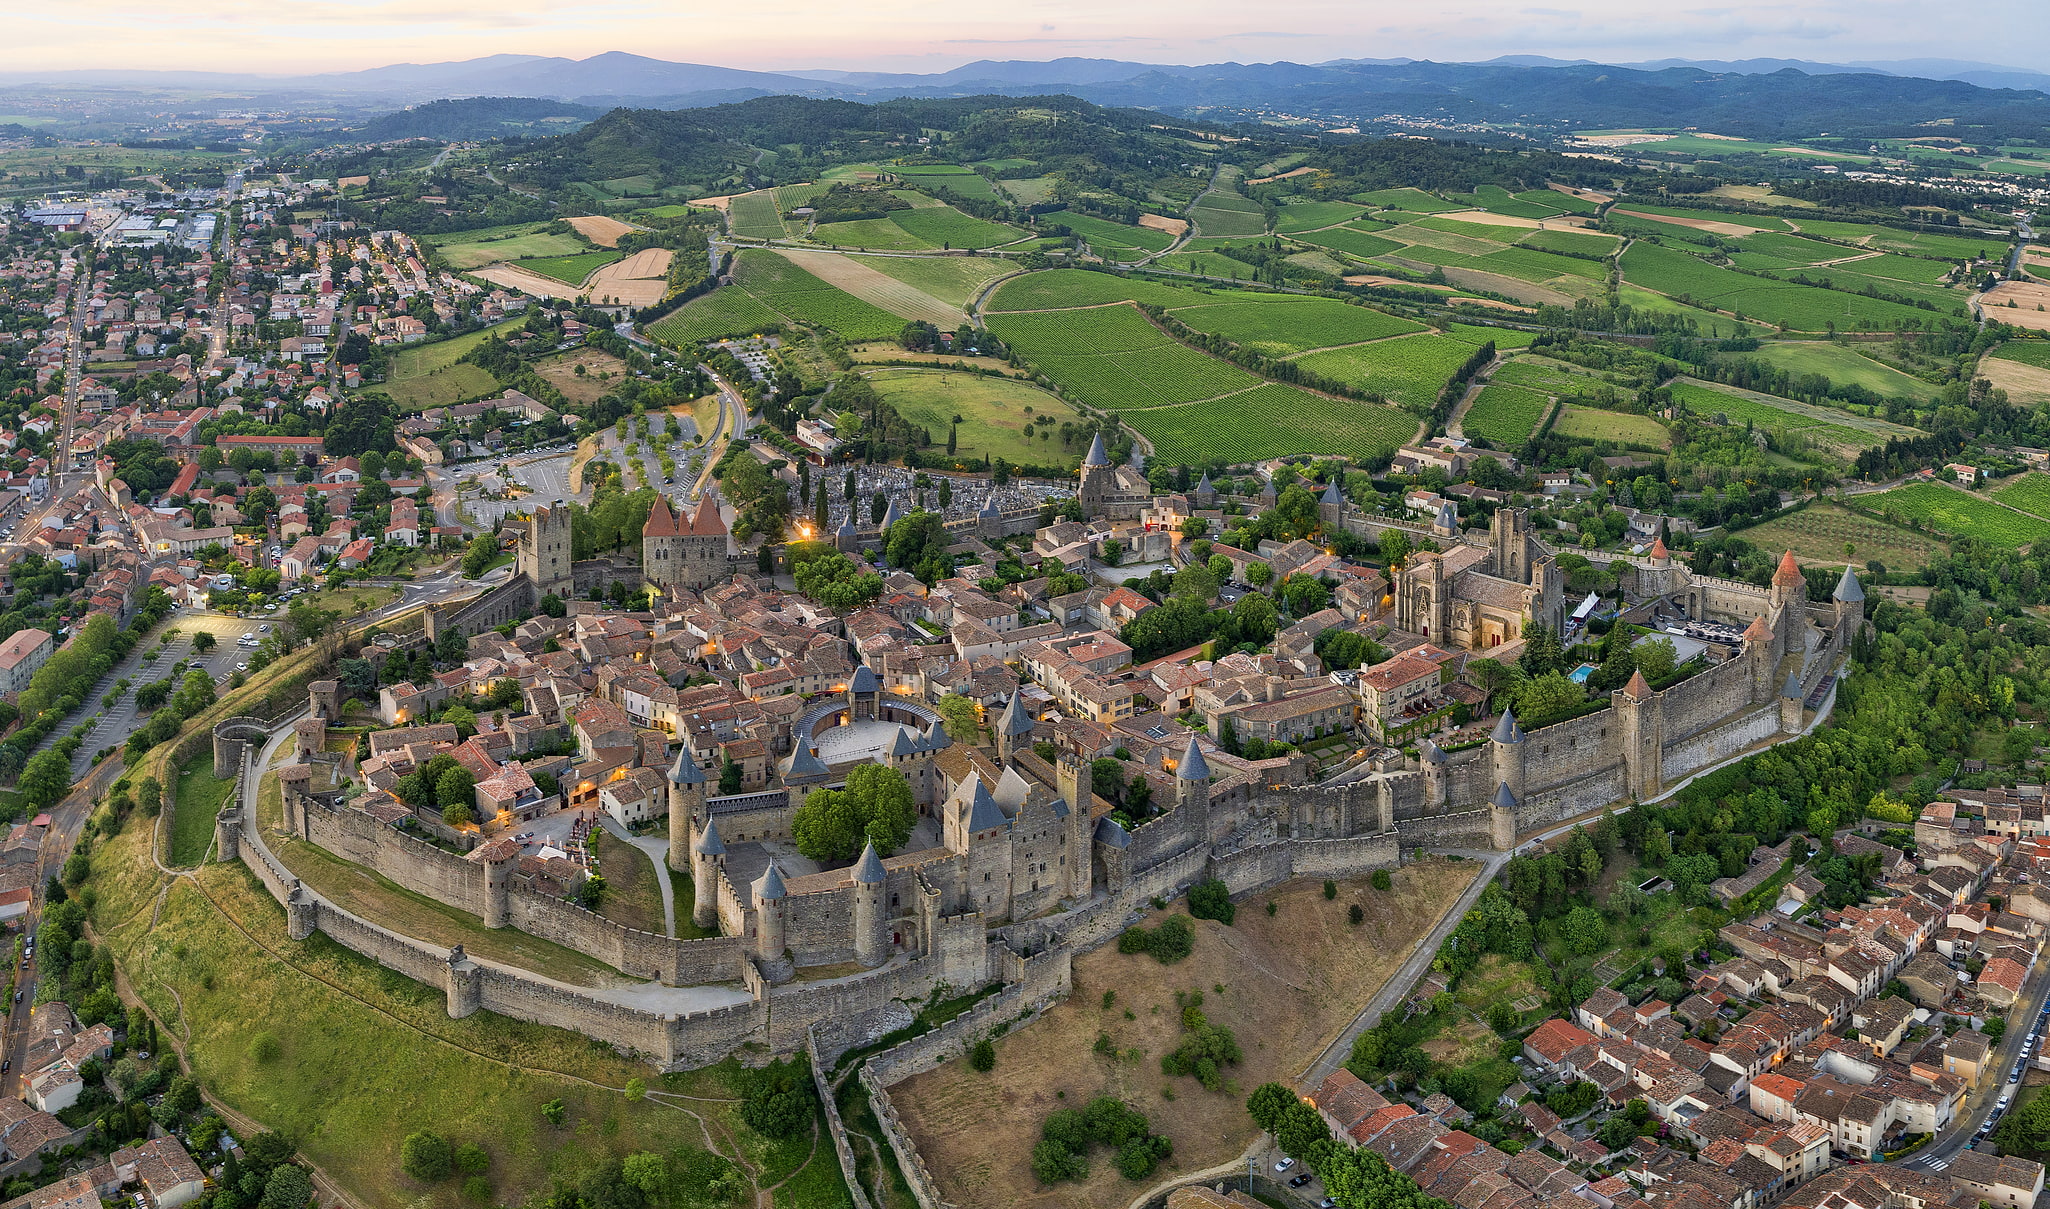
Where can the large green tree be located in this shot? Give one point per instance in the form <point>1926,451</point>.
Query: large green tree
<point>876,806</point>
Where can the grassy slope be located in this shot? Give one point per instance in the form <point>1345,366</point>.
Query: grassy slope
<point>200,797</point>
<point>992,411</point>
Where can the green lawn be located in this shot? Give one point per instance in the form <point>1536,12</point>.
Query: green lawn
<point>1593,424</point>
<point>365,1056</point>
<point>200,797</point>
<point>997,414</point>
<point>433,375</point>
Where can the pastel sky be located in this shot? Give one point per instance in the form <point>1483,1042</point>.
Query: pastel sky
<point>918,35</point>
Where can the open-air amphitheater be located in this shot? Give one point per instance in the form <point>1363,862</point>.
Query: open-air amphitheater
<point>1028,869</point>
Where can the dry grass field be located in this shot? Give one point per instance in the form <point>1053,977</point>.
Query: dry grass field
<point>2030,309</point>
<point>600,230</point>
<point>2023,383</point>
<point>526,282</point>
<point>1161,222</point>
<point>561,373</point>
<point>1286,984</point>
<point>639,280</point>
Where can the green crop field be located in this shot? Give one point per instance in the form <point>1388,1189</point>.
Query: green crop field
<point>1504,338</point>
<point>1818,533</point>
<point>944,226</point>
<point>951,279</point>
<point>755,216</point>
<point>1801,308</point>
<point>1106,236</point>
<point>1416,201</point>
<point>1060,288</point>
<point>2027,352</point>
<point>1351,240</point>
<point>1844,365</point>
<point>434,375</point>
<point>1900,268</point>
<point>1308,216</point>
<point>1446,241</point>
<point>1505,416</point>
<point>1529,264</point>
<point>1570,241</point>
<point>1929,243</point>
<point>1568,202</point>
<point>878,234</point>
<point>727,311</point>
<point>1485,232</point>
<point>670,211</point>
<point>1114,357</point>
<point>475,249</point>
<point>1593,424</point>
<point>1409,370</point>
<point>1793,249</point>
<point>2029,492</point>
<point>1762,222</point>
<point>1544,374</point>
<point>1217,213</point>
<point>1270,421</point>
<point>792,291</point>
<point>964,182</point>
<point>1279,325</point>
<point>1946,509</point>
<point>996,414</point>
<point>570,270</point>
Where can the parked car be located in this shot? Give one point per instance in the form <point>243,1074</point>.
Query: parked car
<point>1300,1180</point>
<point>1284,1164</point>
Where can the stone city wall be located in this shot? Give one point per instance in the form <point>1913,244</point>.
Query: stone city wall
<point>1605,786</point>
<point>1717,743</point>
<point>1464,829</point>
<point>836,1129</point>
<point>1566,752</point>
<point>510,601</point>
<point>1706,699</point>
<point>628,950</point>
<point>414,864</point>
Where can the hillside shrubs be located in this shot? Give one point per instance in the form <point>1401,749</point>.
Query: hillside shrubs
<point>1173,940</point>
<point>1068,1135</point>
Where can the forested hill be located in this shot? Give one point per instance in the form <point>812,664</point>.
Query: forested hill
<point>696,145</point>
<point>1785,104</point>
<point>474,118</point>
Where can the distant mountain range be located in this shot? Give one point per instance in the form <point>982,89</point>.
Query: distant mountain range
<point>1756,98</point>
<point>621,77</point>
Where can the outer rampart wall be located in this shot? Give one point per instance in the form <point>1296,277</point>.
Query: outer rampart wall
<point>1720,742</point>
<point>414,864</point>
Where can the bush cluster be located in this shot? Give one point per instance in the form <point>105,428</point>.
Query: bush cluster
<point>1173,940</point>
<point>1067,1135</point>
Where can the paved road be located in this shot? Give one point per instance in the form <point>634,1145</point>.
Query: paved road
<point>1947,1145</point>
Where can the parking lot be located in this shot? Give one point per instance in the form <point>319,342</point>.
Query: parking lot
<point>115,725</point>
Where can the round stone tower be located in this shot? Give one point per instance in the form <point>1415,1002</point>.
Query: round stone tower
<point>686,796</point>
<point>1506,747</point>
<point>871,942</point>
<point>771,900</point>
<point>707,855</point>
